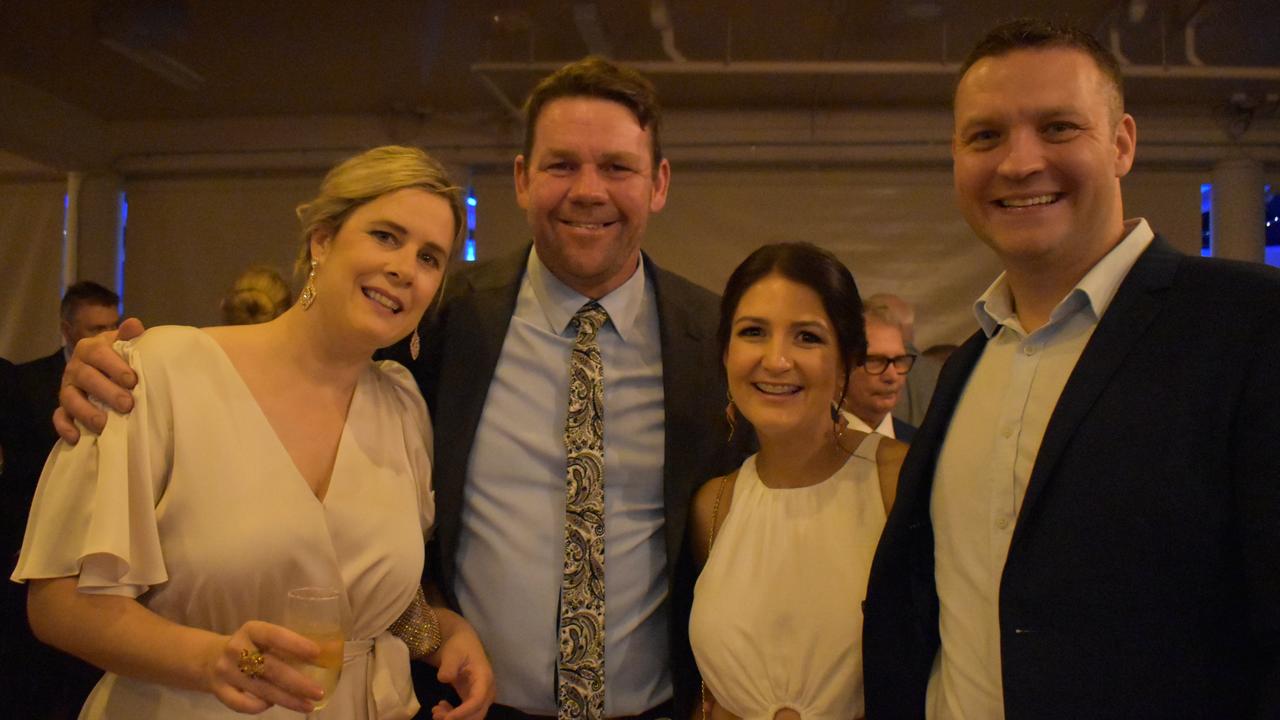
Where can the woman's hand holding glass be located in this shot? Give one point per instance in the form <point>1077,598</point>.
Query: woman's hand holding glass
<point>274,681</point>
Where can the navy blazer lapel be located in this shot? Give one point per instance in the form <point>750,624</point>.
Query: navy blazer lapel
<point>915,483</point>
<point>1137,302</point>
<point>472,328</point>
<point>683,380</point>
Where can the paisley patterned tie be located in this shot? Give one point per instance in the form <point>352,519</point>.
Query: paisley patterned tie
<point>580,671</point>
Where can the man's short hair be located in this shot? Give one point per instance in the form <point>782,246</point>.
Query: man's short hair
<point>1039,34</point>
<point>595,77</point>
<point>880,312</point>
<point>86,292</point>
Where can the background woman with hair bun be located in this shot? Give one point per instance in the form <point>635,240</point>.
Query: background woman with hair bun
<point>258,294</point>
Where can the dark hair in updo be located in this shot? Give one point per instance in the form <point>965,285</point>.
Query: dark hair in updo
<point>816,269</point>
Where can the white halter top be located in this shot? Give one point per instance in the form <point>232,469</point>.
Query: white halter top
<point>777,610</point>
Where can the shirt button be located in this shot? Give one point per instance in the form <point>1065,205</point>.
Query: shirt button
<point>1002,522</point>
<point>1007,432</point>
<point>1029,349</point>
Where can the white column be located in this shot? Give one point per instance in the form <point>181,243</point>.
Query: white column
<point>1237,210</point>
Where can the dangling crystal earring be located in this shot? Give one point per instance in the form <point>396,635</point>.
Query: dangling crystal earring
<point>415,344</point>
<point>308,294</point>
<point>730,415</point>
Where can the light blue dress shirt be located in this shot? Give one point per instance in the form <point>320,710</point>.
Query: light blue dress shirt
<point>511,547</point>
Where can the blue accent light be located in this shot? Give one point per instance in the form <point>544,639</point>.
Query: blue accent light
<point>469,245</point>
<point>66,213</point>
<point>1206,204</point>
<point>124,222</point>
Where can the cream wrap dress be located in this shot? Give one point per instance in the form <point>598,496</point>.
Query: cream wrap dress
<point>192,505</point>
<point>777,609</point>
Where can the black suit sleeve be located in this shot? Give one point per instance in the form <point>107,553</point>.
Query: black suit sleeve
<point>1257,490</point>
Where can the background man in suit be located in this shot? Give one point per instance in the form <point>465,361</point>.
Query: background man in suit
<point>1087,523</point>
<point>87,309</point>
<point>876,383</point>
<point>913,401</point>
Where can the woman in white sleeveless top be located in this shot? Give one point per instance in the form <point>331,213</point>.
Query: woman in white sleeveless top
<point>786,541</point>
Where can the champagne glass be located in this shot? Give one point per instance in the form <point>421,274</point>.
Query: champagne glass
<point>316,613</point>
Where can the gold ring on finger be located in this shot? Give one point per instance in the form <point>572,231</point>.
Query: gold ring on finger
<point>251,663</point>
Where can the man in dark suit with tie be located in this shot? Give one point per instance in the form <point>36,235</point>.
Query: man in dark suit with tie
<point>1088,522</point>
<point>496,372</point>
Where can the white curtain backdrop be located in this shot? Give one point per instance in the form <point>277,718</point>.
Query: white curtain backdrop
<point>897,229</point>
<point>187,240</point>
<point>31,260</point>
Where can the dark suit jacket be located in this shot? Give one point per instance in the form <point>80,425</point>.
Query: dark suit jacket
<point>28,437</point>
<point>38,382</point>
<point>461,343</point>
<point>903,430</point>
<point>35,680</point>
<point>1143,576</point>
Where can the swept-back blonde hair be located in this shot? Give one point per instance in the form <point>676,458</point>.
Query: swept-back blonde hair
<point>366,177</point>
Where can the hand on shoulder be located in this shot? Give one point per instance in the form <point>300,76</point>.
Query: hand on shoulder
<point>95,370</point>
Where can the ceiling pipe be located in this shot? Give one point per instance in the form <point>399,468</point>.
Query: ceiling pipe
<point>859,68</point>
<point>1113,37</point>
<point>661,20</point>
<point>586,17</point>
<point>1189,36</point>
<point>512,111</point>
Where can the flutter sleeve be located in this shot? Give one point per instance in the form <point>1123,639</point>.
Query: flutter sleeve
<point>94,511</point>
<point>416,428</point>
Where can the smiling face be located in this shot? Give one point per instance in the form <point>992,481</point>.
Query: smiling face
<point>871,397</point>
<point>1038,155</point>
<point>378,274</point>
<point>782,360</point>
<point>587,189</point>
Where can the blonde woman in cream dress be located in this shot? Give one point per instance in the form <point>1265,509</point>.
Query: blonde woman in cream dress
<point>257,459</point>
<point>786,542</point>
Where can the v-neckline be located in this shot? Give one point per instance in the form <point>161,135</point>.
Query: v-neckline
<point>262,416</point>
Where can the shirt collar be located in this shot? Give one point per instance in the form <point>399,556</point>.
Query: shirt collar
<point>559,302</point>
<point>1094,292</point>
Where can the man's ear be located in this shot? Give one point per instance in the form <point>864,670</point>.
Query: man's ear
<point>661,182</point>
<point>1126,144</point>
<point>521,173</point>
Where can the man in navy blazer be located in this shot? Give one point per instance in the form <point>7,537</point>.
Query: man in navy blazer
<point>1088,522</point>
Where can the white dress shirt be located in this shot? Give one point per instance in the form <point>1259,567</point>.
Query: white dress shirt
<point>511,545</point>
<point>984,466</point>
<point>885,427</point>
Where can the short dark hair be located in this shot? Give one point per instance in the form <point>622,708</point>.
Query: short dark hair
<point>816,269</point>
<point>86,292</point>
<point>596,77</point>
<point>1038,34</point>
